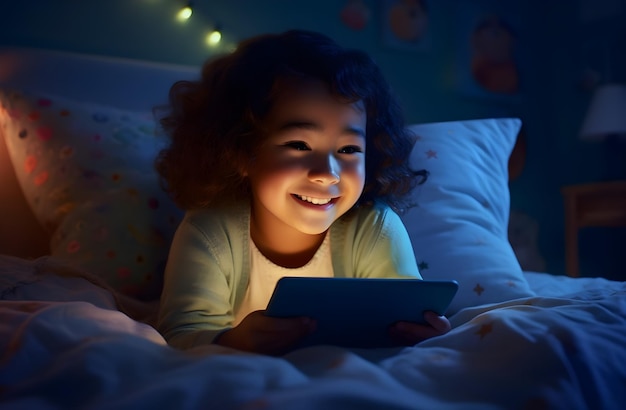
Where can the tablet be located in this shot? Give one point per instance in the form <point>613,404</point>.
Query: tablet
<point>356,312</point>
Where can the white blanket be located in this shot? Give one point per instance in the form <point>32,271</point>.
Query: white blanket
<point>65,344</point>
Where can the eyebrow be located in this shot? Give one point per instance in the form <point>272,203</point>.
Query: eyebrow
<point>308,125</point>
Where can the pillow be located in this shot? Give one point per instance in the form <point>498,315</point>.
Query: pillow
<point>459,222</point>
<point>87,172</point>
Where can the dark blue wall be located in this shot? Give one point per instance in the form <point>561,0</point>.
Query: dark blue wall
<point>557,41</point>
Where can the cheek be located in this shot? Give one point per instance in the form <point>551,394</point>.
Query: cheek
<point>273,173</point>
<point>355,172</point>
<point>282,167</point>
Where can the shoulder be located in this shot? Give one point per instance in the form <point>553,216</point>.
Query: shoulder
<point>378,217</point>
<point>368,224</point>
<point>209,219</point>
<point>371,241</point>
<point>216,226</point>
<point>212,239</point>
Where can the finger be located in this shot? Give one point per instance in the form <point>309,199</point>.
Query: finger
<point>439,323</point>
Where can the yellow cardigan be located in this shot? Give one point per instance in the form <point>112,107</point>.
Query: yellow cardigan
<point>208,267</point>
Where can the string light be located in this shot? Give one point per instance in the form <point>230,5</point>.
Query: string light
<point>214,37</point>
<point>184,13</point>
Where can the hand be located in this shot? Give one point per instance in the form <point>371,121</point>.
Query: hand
<point>410,333</point>
<point>267,335</point>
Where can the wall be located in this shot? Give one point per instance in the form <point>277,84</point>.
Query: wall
<point>147,29</point>
<point>552,37</point>
<point>589,35</point>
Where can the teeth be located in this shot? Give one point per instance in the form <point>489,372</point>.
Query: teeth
<point>316,201</point>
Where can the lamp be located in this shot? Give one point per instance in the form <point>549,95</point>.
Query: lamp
<point>606,121</point>
<point>607,113</point>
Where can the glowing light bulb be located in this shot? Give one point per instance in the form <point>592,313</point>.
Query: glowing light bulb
<point>214,38</point>
<point>184,13</point>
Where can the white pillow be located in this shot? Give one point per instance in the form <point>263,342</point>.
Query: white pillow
<point>458,226</point>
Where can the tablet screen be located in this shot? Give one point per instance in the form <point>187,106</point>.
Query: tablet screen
<point>356,312</point>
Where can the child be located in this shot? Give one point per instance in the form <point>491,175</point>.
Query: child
<point>288,155</point>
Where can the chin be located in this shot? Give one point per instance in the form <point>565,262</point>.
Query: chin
<point>314,231</point>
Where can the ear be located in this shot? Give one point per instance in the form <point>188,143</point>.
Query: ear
<point>246,162</point>
<point>244,167</point>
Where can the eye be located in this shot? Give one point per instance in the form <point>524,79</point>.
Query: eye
<point>297,145</point>
<point>350,149</point>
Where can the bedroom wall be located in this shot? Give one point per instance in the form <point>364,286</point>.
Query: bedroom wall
<point>590,37</point>
<point>552,37</point>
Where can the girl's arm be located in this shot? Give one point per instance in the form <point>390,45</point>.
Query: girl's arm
<point>196,300</point>
<point>384,250</point>
<point>378,246</point>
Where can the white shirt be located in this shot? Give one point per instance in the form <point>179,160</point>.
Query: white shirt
<point>264,275</point>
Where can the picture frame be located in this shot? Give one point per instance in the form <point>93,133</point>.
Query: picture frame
<point>488,50</point>
<point>405,25</point>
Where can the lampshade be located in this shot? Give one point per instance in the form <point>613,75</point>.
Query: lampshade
<point>607,113</point>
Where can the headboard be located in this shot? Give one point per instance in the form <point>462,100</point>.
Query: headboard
<point>123,83</point>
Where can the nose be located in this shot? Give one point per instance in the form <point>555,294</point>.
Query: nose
<point>325,170</point>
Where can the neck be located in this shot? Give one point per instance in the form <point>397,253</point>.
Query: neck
<point>284,246</point>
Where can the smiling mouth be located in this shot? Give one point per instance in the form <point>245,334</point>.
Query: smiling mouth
<point>314,201</point>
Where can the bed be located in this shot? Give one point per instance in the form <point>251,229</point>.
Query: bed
<point>85,233</point>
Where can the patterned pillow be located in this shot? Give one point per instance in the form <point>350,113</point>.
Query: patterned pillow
<point>87,172</point>
<point>459,224</point>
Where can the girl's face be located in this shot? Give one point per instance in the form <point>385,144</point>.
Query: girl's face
<point>311,168</point>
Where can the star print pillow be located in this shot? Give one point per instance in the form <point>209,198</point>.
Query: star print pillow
<point>458,224</point>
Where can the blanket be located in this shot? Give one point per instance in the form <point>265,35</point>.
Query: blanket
<point>66,341</point>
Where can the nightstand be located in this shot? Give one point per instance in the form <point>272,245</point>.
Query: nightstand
<point>591,205</point>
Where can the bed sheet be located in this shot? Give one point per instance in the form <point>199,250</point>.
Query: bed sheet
<point>65,343</point>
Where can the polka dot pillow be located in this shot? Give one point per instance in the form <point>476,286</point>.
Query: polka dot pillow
<point>459,225</point>
<point>87,172</point>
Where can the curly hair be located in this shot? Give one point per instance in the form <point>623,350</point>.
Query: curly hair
<point>215,123</point>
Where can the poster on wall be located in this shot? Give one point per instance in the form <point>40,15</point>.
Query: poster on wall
<point>355,14</point>
<point>488,48</point>
<point>405,24</point>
